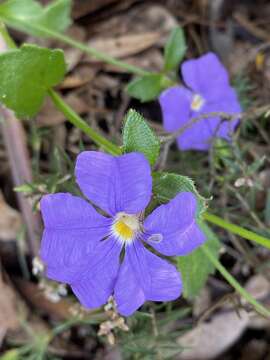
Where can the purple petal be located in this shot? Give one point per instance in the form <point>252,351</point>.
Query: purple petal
<point>206,76</point>
<point>97,283</point>
<point>198,136</point>
<point>144,276</point>
<point>228,104</point>
<point>176,223</point>
<point>201,135</point>
<point>115,184</point>
<point>226,129</point>
<point>128,293</point>
<point>175,106</point>
<point>72,231</point>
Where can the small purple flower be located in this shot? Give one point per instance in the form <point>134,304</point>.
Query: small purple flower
<point>208,91</point>
<point>81,247</point>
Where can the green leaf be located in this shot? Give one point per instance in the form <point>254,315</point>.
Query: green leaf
<point>146,88</point>
<point>175,49</point>
<point>25,76</point>
<point>30,16</point>
<point>13,354</point>
<point>196,267</point>
<point>256,165</point>
<point>167,185</point>
<point>21,9</point>
<point>24,188</point>
<point>57,15</point>
<point>138,136</point>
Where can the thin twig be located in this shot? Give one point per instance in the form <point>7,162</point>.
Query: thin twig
<point>164,155</point>
<point>255,112</point>
<point>246,205</point>
<point>251,27</point>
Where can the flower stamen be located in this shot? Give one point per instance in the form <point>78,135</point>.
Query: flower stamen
<point>197,102</point>
<point>155,238</point>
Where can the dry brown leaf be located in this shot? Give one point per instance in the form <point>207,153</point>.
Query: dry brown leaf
<point>125,45</point>
<point>219,334</point>
<point>259,287</point>
<point>50,116</point>
<point>8,310</point>
<point>10,221</point>
<point>143,20</point>
<point>82,75</point>
<point>155,18</point>
<point>152,60</point>
<point>83,8</point>
<point>202,302</point>
<point>73,55</point>
<point>225,327</point>
<point>64,309</point>
<point>36,297</point>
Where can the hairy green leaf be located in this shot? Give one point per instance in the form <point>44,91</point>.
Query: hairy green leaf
<point>31,17</point>
<point>138,136</point>
<point>196,267</point>
<point>25,76</point>
<point>146,88</point>
<point>167,185</point>
<point>175,49</point>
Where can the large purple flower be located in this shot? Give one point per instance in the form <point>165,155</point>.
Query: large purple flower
<point>208,91</point>
<point>81,247</point>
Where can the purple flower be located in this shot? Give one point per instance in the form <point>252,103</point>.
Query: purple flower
<point>81,247</point>
<point>208,91</point>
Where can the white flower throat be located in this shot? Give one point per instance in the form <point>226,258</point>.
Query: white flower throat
<point>126,227</point>
<point>197,102</point>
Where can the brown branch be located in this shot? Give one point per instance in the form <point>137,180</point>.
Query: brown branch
<point>16,145</point>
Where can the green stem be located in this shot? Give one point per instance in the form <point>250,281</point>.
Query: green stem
<point>238,230</point>
<point>66,39</point>
<point>234,283</point>
<point>77,121</point>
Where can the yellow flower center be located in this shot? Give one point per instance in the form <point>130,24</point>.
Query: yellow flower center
<point>197,102</point>
<point>125,227</point>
